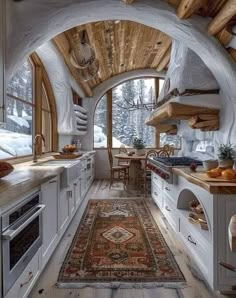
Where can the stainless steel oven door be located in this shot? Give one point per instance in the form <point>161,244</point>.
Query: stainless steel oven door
<point>20,242</point>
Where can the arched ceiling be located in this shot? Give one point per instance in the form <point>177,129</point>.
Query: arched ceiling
<point>122,45</point>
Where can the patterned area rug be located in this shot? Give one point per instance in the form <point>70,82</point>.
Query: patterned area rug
<point>118,242</point>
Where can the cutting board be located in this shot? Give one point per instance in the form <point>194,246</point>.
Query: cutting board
<point>203,176</point>
<point>67,155</point>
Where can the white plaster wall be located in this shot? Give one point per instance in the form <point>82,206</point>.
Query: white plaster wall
<point>62,82</point>
<point>31,23</point>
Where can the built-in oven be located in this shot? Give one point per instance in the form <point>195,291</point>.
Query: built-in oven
<point>21,237</point>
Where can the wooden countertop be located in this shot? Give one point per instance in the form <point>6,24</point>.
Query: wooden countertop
<point>211,187</point>
<point>26,177</point>
<point>23,180</point>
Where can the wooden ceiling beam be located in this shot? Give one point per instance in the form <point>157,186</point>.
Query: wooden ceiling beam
<point>232,53</point>
<point>224,36</point>
<point>165,60</point>
<point>63,46</point>
<point>187,8</point>
<point>223,17</point>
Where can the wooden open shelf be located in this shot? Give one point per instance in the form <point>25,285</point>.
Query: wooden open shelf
<point>198,117</point>
<point>169,129</point>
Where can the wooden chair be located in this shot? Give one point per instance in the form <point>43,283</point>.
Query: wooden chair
<point>169,149</point>
<point>124,162</point>
<point>119,170</point>
<point>145,173</point>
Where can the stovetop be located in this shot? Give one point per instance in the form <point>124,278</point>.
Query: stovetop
<point>177,161</point>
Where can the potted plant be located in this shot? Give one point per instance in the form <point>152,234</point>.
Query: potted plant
<point>226,155</point>
<point>139,145</point>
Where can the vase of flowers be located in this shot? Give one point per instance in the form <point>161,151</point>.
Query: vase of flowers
<point>226,156</point>
<point>139,146</point>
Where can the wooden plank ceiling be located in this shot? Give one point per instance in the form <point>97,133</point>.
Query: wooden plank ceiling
<point>122,46</point>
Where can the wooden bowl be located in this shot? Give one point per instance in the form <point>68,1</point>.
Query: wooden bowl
<point>5,168</point>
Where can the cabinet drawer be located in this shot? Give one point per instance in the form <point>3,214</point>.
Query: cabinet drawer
<point>169,210</point>
<point>196,245</point>
<point>157,195</point>
<point>157,180</point>
<point>170,190</point>
<point>25,282</point>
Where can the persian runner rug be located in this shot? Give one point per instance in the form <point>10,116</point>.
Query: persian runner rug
<point>118,244</point>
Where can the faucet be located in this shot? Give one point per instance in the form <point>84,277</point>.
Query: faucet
<point>39,135</point>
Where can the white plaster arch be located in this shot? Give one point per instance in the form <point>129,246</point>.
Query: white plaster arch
<point>112,82</point>
<point>31,23</point>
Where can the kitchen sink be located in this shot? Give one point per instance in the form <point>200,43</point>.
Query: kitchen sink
<point>72,169</point>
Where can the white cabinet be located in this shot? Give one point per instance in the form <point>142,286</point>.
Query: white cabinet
<point>77,192</point>
<point>27,279</point>
<point>50,217</point>
<point>64,208</point>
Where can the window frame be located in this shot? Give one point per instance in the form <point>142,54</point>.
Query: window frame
<point>40,80</point>
<point>109,115</point>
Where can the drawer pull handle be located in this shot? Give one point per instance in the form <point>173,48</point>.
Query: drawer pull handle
<point>155,193</point>
<point>167,208</point>
<point>53,181</point>
<point>167,188</point>
<point>155,178</point>
<point>191,240</point>
<point>228,266</point>
<point>30,278</point>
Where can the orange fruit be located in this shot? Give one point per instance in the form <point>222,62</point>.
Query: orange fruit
<point>228,174</point>
<point>212,173</point>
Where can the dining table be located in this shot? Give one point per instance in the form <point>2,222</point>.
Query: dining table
<point>137,163</point>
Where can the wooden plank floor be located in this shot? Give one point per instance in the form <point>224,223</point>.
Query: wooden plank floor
<point>45,286</point>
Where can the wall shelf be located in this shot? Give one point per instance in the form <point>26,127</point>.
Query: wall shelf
<point>202,118</point>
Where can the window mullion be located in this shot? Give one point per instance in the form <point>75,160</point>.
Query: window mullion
<point>38,103</point>
<point>109,118</point>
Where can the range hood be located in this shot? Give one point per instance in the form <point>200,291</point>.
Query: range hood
<point>188,80</point>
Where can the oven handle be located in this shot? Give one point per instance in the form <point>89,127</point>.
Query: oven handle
<point>11,234</point>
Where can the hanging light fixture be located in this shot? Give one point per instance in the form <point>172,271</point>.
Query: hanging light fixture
<point>82,54</point>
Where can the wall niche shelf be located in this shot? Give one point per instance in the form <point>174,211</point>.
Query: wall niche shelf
<point>191,209</point>
<point>203,118</point>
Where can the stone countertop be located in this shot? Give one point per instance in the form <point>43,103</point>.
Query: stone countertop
<point>211,187</point>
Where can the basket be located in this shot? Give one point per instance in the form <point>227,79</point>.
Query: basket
<point>89,72</point>
<point>82,55</point>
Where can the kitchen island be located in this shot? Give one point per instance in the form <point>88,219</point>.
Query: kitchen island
<point>206,248</point>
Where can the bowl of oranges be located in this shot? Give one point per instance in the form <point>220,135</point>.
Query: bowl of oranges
<point>224,174</point>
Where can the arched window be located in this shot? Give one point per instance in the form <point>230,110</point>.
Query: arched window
<point>30,109</point>
<point>120,116</point>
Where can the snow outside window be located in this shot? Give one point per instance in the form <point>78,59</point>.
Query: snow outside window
<point>16,139</point>
<point>174,141</point>
<point>128,122</point>
<point>100,124</point>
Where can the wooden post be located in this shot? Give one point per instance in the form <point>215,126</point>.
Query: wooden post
<point>109,118</point>
<point>187,8</point>
<point>223,17</point>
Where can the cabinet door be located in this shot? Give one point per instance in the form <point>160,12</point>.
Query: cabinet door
<point>50,217</point>
<point>72,206</point>
<point>64,211</point>
<point>77,191</point>
<point>83,182</point>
